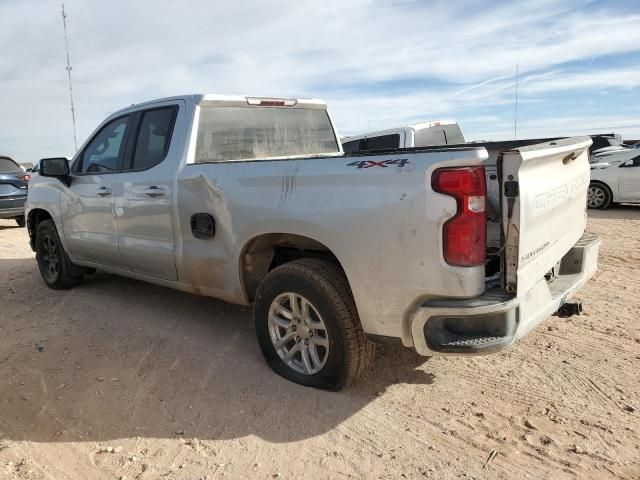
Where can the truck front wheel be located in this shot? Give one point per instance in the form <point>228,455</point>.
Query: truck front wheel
<point>599,196</point>
<point>55,267</point>
<point>308,326</point>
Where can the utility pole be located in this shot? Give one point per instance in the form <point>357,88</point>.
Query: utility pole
<point>515,116</point>
<point>73,111</point>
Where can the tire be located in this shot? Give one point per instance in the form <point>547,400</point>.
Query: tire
<point>55,267</point>
<point>323,285</point>
<point>21,221</point>
<point>599,196</point>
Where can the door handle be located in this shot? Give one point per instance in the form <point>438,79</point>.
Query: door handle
<point>154,192</point>
<point>104,192</point>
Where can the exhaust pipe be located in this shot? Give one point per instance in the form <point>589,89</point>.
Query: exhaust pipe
<point>569,309</point>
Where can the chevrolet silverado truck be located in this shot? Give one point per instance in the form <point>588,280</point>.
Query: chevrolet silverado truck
<point>447,250</point>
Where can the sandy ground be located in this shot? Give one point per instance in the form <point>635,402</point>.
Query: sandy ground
<point>120,379</point>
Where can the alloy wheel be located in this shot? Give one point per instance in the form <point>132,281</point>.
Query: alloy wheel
<point>596,196</point>
<point>50,257</point>
<point>298,333</point>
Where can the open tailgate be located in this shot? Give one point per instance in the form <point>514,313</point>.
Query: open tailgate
<point>543,203</point>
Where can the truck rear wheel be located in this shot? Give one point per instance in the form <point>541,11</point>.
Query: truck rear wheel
<point>308,326</point>
<point>55,267</point>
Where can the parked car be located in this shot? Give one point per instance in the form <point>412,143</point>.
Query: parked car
<point>251,200</point>
<point>615,179</point>
<point>441,132</point>
<point>13,190</point>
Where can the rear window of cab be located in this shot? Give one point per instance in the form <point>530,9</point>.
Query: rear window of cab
<point>253,133</point>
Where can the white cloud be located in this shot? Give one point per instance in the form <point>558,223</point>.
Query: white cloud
<point>348,52</point>
<point>626,78</point>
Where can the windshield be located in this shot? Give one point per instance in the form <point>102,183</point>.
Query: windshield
<point>247,133</point>
<point>8,166</point>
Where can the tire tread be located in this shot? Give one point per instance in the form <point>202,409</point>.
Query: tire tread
<point>69,276</point>
<point>330,278</point>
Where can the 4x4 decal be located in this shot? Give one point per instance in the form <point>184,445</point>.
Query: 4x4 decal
<point>400,162</point>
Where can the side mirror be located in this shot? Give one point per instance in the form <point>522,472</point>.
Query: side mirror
<point>55,167</point>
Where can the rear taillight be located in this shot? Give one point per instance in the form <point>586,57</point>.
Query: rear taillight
<point>25,177</point>
<point>464,235</point>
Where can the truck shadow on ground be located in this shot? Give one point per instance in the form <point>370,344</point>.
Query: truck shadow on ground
<point>9,227</point>
<point>117,358</point>
<point>623,211</point>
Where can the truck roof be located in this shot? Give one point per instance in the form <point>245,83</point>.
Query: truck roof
<point>229,100</point>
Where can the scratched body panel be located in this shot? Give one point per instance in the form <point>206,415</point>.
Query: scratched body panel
<point>383,224</point>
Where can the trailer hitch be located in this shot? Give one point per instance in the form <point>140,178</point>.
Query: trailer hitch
<point>569,309</point>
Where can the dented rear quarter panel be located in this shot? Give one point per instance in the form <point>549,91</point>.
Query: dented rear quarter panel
<point>383,224</point>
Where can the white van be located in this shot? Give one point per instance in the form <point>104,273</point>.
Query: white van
<point>440,132</point>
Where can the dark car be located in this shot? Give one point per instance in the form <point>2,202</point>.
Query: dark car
<point>13,190</point>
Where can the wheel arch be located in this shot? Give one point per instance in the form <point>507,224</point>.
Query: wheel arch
<point>603,183</point>
<point>34,218</point>
<point>266,251</point>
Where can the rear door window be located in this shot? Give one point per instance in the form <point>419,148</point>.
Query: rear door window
<point>154,137</point>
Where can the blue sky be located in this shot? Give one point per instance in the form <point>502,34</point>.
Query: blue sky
<point>377,64</point>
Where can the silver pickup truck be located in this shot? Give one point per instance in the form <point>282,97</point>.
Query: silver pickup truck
<point>447,250</point>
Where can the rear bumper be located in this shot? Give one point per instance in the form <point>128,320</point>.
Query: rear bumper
<point>496,319</point>
<point>12,206</point>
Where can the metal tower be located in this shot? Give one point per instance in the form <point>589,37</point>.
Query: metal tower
<point>73,111</point>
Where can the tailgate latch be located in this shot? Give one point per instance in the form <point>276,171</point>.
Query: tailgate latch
<point>511,191</point>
